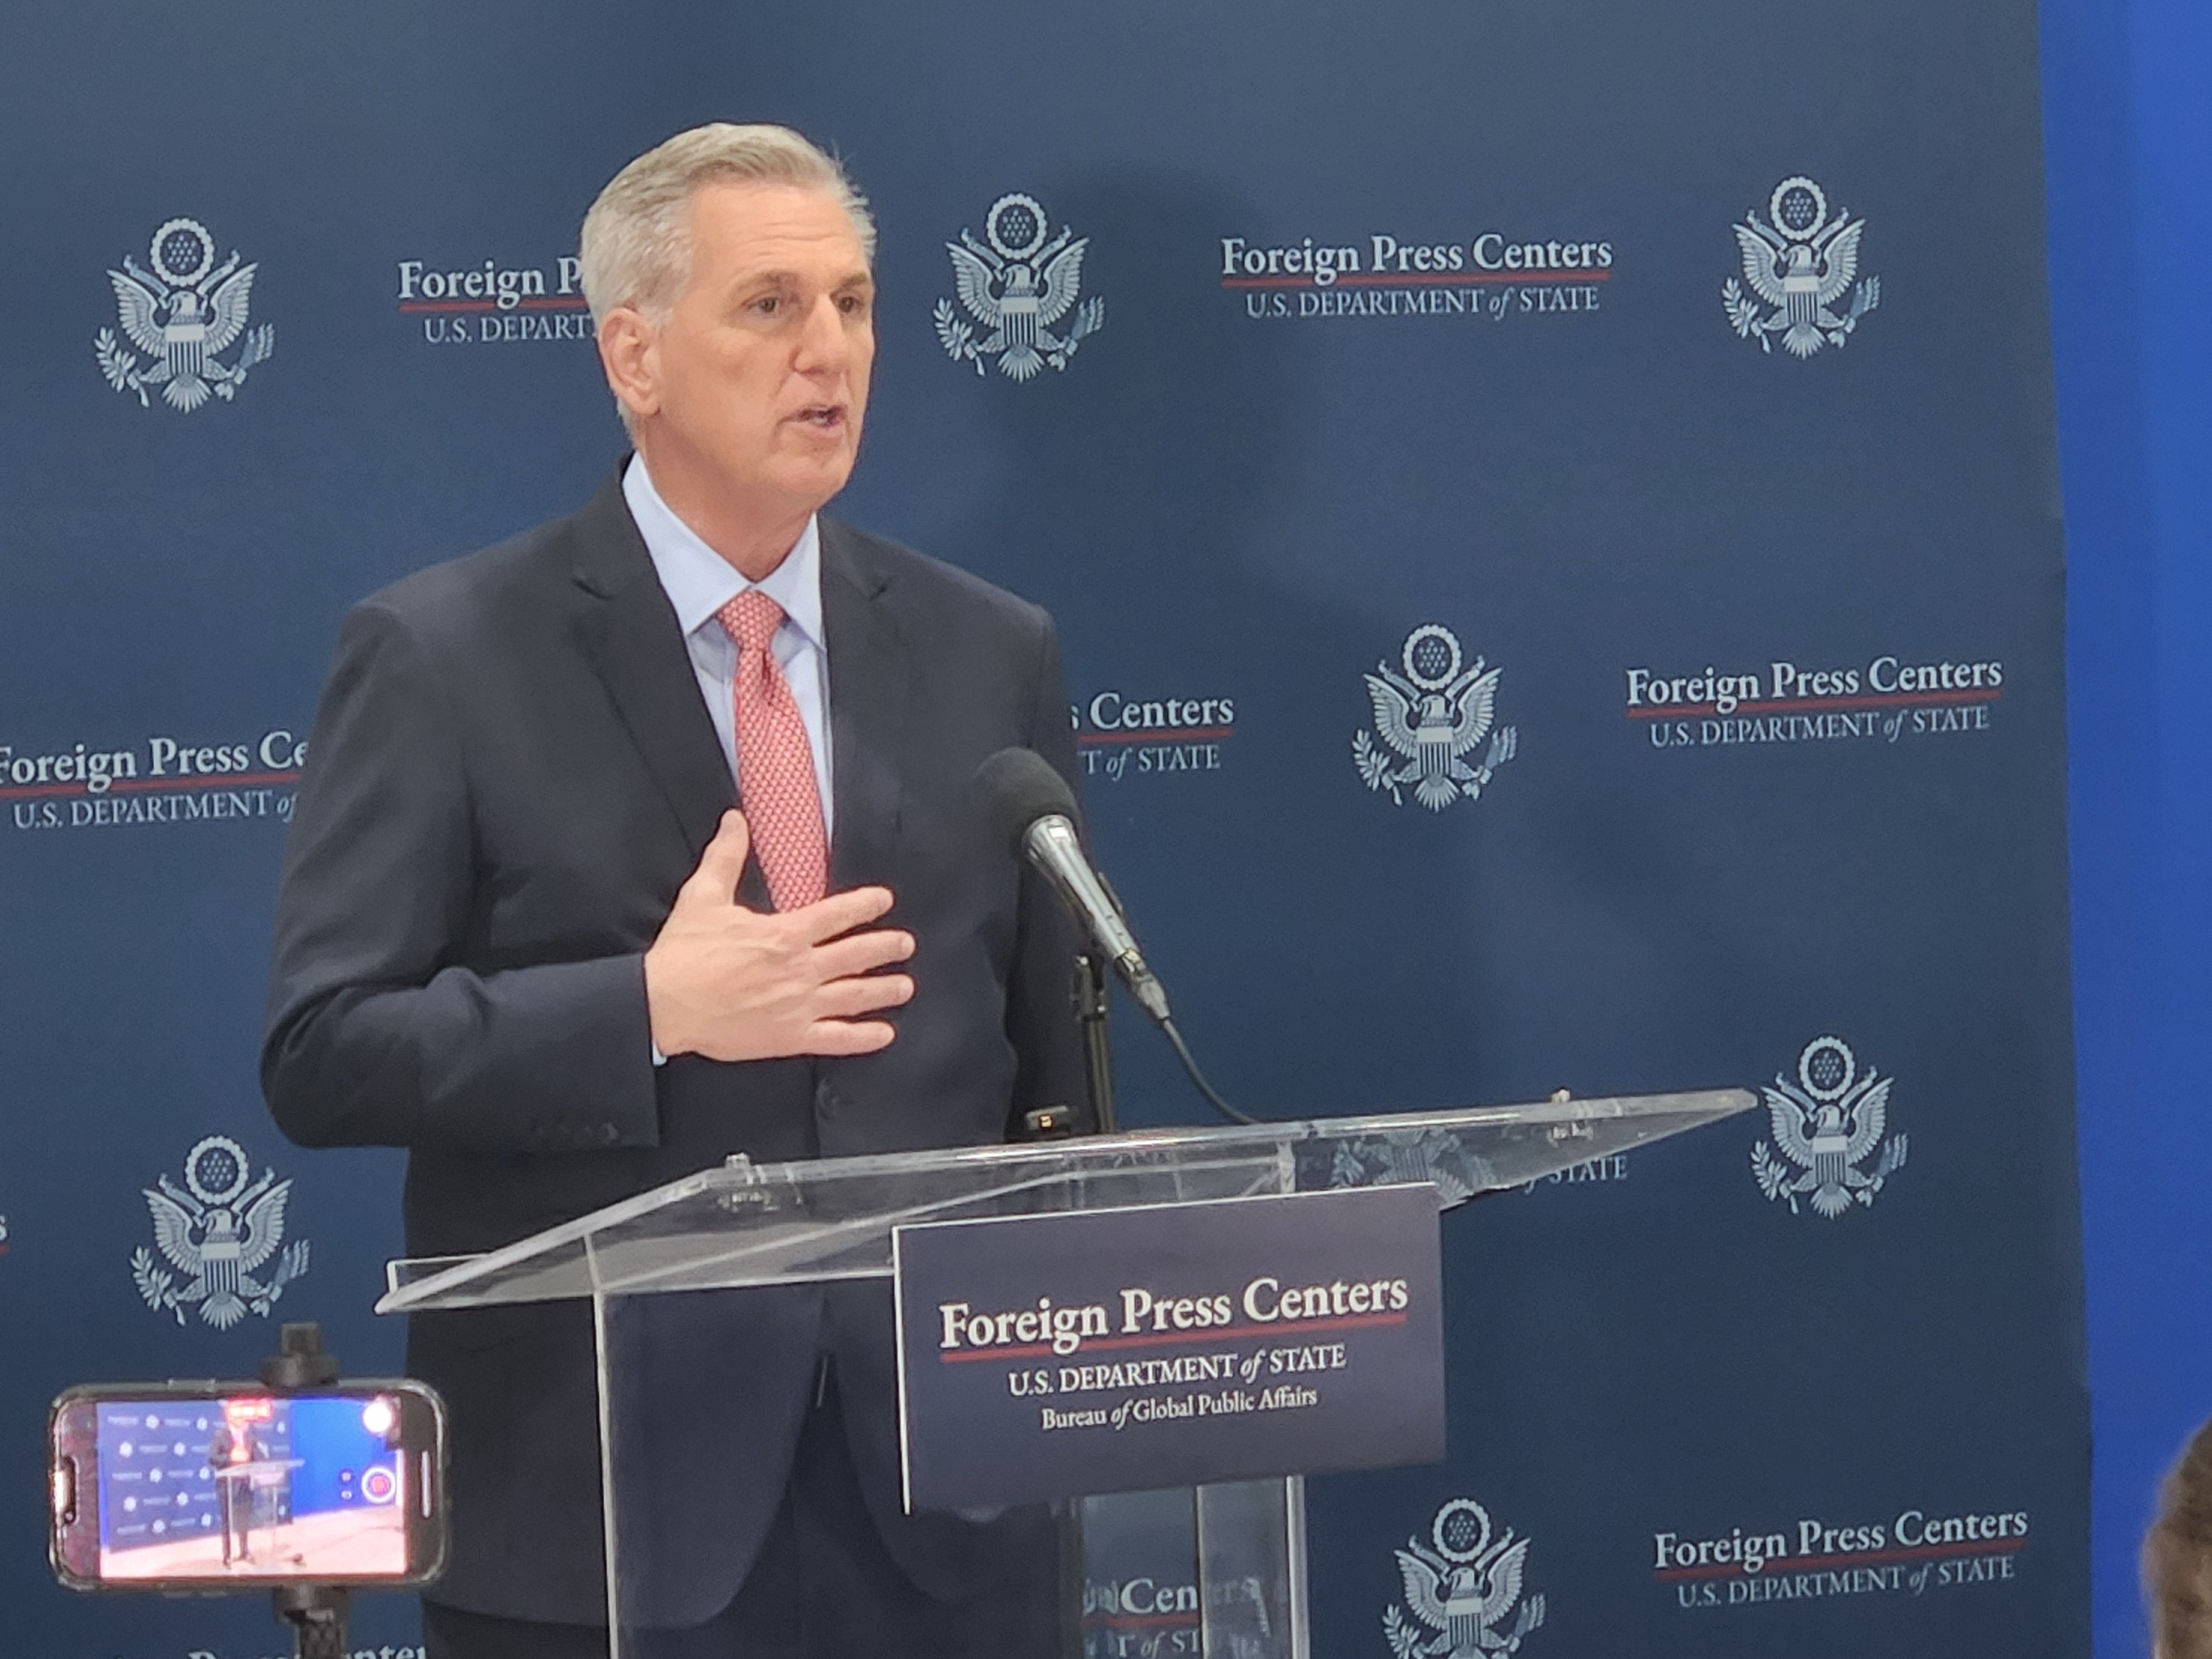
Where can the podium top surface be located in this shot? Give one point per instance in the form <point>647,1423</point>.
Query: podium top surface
<point>747,1223</point>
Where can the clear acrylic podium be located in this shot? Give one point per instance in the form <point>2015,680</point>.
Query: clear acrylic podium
<point>1241,1545</point>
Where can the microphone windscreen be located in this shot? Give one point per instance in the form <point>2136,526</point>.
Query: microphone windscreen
<point>1016,787</point>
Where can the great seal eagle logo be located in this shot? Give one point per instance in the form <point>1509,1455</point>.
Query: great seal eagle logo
<point>183,312</point>
<point>1825,1124</point>
<point>1017,284</point>
<point>1801,263</point>
<point>1429,719</point>
<point>219,1231</point>
<point>1460,1587</point>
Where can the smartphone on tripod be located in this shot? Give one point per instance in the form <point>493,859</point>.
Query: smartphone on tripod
<point>208,1487</point>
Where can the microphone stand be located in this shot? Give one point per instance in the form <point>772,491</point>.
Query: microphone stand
<point>1092,1001</point>
<point>1090,1008</point>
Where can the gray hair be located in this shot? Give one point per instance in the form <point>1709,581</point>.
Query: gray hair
<point>635,250</point>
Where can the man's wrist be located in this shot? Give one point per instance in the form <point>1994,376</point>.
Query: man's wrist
<point>657,1036</point>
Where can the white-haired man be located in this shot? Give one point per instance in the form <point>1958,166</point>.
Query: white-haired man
<point>526,933</point>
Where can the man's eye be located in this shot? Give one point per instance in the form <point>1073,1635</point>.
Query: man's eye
<point>769,304</point>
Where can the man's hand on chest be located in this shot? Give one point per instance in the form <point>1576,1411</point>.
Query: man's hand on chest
<point>734,983</point>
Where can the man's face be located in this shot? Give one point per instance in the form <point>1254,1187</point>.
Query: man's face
<point>758,376</point>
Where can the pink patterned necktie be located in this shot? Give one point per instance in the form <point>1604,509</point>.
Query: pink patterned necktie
<point>776,762</point>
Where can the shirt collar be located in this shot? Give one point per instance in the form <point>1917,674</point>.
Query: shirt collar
<point>700,582</point>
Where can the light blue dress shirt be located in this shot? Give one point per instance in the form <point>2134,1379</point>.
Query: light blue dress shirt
<point>699,582</point>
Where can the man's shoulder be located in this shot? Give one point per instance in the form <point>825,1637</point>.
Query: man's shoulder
<point>526,580</point>
<point>479,581</point>
<point>916,581</point>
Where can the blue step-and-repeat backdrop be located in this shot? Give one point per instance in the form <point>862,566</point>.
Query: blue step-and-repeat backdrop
<point>1661,395</point>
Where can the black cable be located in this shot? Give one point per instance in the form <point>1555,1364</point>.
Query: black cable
<point>1161,1019</point>
<point>1190,1065</point>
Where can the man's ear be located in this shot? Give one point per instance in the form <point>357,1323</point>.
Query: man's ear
<point>629,353</point>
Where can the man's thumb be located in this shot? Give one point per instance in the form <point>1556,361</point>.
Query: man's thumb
<point>722,866</point>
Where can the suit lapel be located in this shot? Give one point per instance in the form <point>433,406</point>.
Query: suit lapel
<point>630,634</point>
<point>871,675</point>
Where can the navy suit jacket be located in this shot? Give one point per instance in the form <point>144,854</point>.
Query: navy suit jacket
<point>512,773</point>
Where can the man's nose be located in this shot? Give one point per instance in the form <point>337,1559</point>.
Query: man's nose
<point>824,345</point>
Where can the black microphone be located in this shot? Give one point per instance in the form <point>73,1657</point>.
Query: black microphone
<point>1030,807</point>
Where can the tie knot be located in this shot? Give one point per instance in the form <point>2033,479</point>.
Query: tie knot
<point>752,619</point>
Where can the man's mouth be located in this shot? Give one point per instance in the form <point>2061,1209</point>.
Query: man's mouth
<point>823,417</point>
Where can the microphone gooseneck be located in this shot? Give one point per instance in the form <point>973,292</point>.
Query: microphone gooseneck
<point>1032,810</point>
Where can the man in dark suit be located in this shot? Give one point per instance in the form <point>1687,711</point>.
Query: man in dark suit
<point>523,932</point>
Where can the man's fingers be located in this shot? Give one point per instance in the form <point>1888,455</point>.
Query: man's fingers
<point>861,953</point>
<point>845,1036</point>
<point>842,999</point>
<point>722,866</point>
<point>840,913</point>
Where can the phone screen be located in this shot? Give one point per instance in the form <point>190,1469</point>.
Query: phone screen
<point>330,1488</point>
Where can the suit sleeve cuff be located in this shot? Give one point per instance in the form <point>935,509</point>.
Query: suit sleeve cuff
<point>590,1023</point>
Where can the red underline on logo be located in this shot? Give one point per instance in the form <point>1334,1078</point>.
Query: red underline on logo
<point>1793,705</point>
<point>1179,734</point>
<point>1170,1339</point>
<point>1861,1558</point>
<point>411,307</point>
<point>1432,279</point>
<point>139,786</point>
<point>1137,1620</point>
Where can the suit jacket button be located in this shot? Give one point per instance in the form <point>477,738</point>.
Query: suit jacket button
<point>825,1099</point>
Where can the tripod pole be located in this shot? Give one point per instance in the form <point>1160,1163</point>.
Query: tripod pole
<point>316,1613</point>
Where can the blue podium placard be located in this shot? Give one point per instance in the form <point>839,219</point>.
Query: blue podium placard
<point>1053,1356</point>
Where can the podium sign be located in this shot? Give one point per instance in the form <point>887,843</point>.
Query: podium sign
<point>1055,1355</point>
